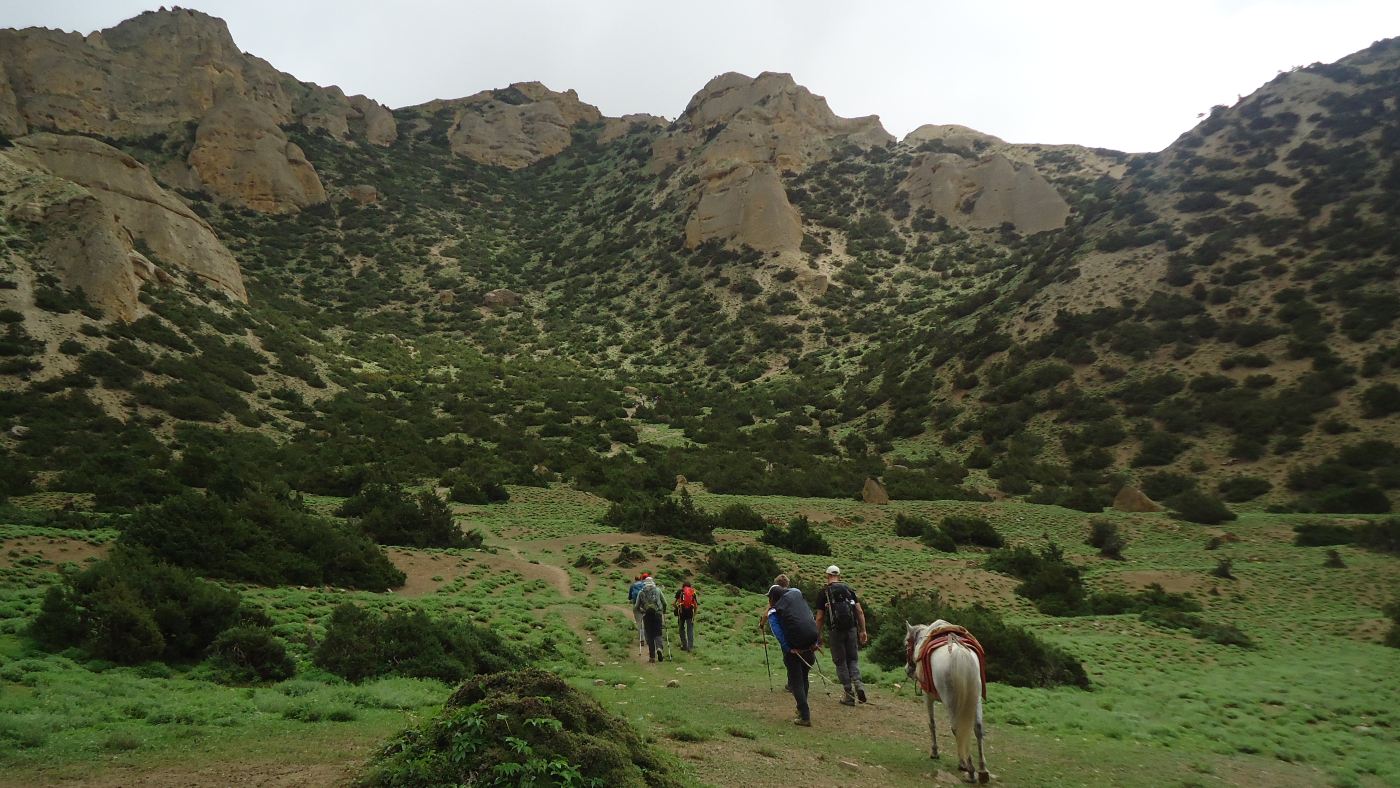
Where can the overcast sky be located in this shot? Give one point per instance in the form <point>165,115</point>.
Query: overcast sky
<point>1124,74</point>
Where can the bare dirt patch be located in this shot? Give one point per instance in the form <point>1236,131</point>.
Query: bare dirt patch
<point>56,550</point>
<point>427,572</point>
<point>1175,582</point>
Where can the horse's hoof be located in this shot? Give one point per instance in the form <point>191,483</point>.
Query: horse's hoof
<point>933,756</point>
<point>983,776</point>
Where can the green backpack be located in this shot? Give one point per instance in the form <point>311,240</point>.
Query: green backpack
<point>651,601</point>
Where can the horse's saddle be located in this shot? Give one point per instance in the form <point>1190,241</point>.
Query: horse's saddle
<point>937,638</point>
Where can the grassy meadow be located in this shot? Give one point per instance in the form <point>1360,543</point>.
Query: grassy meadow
<point>1316,702</point>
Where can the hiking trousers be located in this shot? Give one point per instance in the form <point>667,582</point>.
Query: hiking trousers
<point>652,623</point>
<point>845,652</point>
<point>798,669</point>
<point>685,622</point>
<point>641,631</point>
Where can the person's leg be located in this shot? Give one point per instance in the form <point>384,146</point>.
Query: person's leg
<point>689,626</point>
<point>840,649</point>
<point>853,663</point>
<point>641,627</point>
<point>797,684</point>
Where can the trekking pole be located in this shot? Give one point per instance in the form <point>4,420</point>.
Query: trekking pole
<point>766,663</point>
<point>816,663</point>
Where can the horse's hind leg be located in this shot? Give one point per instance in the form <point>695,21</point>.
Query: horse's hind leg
<point>982,774</point>
<point>932,726</point>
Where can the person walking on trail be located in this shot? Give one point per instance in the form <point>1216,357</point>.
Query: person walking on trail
<point>782,582</point>
<point>651,606</point>
<point>793,627</point>
<point>839,609</point>
<point>686,603</point>
<point>632,592</point>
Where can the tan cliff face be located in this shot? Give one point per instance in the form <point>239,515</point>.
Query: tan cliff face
<point>513,127</point>
<point>985,193</point>
<point>737,136</point>
<point>102,204</point>
<point>241,154</point>
<point>161,70</point>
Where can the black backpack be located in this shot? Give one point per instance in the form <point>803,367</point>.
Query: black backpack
<point>799,627</point>
<point>841,606</point>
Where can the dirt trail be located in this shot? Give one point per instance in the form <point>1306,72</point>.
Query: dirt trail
<point>424,568</point>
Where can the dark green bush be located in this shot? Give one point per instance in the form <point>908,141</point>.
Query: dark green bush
<point>524,727</point>
<point>740,517</point>
<point>748,567</point>
<point>361,644</point>
<point>1104,535</point>
<point>261,538</point>
<point>1015,655</point>
<point>798,537</point>
<point>973,531</point>
<point>1322,534</point>
<point>1243,488</point>
<point>939,540</point>
<point>910,525</point>
<point>131,608</point>
<point>245,654</point>
<point>1197,507</point>
<point>389,515</point>
<point>664,516</point>
<point>1223,634</point>
<point>1380,535</point>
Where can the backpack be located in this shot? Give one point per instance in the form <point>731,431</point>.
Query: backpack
<point>688,598</point>
<point>841,606</point>
<point>799,627</point>
<point>650,600</point>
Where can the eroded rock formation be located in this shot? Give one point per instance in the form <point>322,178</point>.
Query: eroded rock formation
<point>513,127</point>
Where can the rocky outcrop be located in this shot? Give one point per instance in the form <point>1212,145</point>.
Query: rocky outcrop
<point>174,235</point>
<point>84,245</point>
<point>616,128</point>
<point>984,193</point>
<point>737,136</point>
<point>363,193</point>
<point>1131,499</point>
<point>747,204</point>
<point>159,71</point>
<point>874,492</point>
<point>513,127</point>
<point>373,121</point>
<point>500,298</point>
<point>241,156</point>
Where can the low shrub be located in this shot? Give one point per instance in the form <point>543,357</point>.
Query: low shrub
<point>663,516</point>
<point>911,526</point>
<point>1197,507</point>
<point>389,515</point>
<point>1021,659</point>
<point>1243,488</point>
<point>740,517</point>
<point>973,531</point>
<point>260,538</point>
<point>361,644</point>
<point>524,727</point>
<point>748,567</point>
<point>798,537</point>
<point>1322,534</point>
<point>1380,535</point>
<point>1104,535</point>
<point>1223,634</point>
<point>245,654</point>
<point>130,608</point>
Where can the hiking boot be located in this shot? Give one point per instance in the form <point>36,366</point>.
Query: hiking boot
<point>848,700</point>
<point>660,657</point>
<point>802,722</point>
<point>860,694</point>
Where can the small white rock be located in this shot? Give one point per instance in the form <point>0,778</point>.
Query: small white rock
<point>598,682</point>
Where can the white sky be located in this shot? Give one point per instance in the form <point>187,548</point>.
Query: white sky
<point>1124,74</point>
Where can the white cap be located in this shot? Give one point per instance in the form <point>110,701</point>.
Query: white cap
<point>833,570</point>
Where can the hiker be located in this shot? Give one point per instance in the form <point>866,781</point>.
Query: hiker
<point>651,606</point>
<point>780,581</point>
<point>839,609</point>
<point>686,603</point>
<point>796,632</point>
<point>636,588</point>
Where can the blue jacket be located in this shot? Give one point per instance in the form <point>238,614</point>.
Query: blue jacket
<point>634,590</point>
<point>776,627</point>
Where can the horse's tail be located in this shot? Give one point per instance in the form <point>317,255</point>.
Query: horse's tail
<point>965,691</point>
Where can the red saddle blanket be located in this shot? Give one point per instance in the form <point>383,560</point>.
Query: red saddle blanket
<point>937,639</point>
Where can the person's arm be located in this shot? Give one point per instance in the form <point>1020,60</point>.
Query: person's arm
<point>860,622</point>
<point>821,615</point>
<point>777,628</point>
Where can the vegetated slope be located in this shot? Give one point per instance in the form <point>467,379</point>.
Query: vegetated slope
<point>801,301</point>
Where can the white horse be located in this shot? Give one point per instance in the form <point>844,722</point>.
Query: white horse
<point>957,677</point>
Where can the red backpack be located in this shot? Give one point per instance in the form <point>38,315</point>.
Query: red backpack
<point>688,598</point>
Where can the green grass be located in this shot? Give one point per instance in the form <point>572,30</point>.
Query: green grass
<point>1316,702</point>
